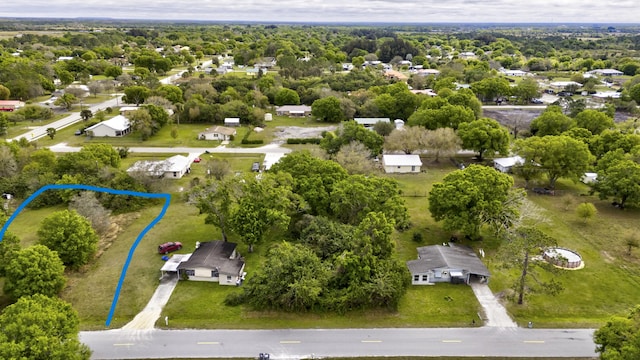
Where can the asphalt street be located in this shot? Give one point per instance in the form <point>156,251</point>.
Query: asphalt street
<point>317,343</point>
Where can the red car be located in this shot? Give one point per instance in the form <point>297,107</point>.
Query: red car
<point>197,160</point>
<point>169,247</point>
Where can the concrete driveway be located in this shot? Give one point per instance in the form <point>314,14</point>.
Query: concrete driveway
<point>495,313</point>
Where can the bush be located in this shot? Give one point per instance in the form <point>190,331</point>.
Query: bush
<point>417,237</point>
<point>294,141</point>
<point>251,142</point>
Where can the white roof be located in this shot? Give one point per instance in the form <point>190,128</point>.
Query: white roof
<point>119,123</point>
<point>401,160</point>
<point>565,83</point>
<point>606,72</point>
<point>174,261</point>
<point>232,120</point>
<point>508,161</point>
<point>293,108</point>
<point>177,163</point>
<point>271,158</point>
<point>371,121</point>
<point>607,94</point>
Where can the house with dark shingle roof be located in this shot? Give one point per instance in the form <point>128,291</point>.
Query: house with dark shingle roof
<point>215,261</point>
<point>454,264</point>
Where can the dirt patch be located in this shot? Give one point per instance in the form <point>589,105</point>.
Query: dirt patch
<point>508,117</point>
<point>607,257</point>
<point>283,133</point>
<point>118,224</point>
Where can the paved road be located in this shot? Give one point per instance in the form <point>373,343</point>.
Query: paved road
<point>297,344</point>
<point>266,149</point>
<point>41,131</point>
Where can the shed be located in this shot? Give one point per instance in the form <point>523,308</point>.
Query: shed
<point>505,164</point>
<point>293,110</point>
<point>453,264</point>
<point>232,121</point>
<point>401,163</point>
<point>589,178</point>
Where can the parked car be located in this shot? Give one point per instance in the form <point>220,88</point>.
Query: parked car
<point>255,166</point>
<point>197,160</point>
<point>78,133</point>
<point>536,101</point>
<point>564,93</point>
<point>169,247</point>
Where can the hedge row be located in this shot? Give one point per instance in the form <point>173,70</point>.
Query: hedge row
<point>251,142</point>
<point>303,141</point>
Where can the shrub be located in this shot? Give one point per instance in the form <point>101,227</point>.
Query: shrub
<point>293,141</point>
<point>417,237</point>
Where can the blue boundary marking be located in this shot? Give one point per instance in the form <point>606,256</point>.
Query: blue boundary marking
<point>167,200</point>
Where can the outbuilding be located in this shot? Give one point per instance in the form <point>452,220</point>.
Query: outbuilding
<point>506,164</point>
<point>401,163</point>
<point>232,121</point>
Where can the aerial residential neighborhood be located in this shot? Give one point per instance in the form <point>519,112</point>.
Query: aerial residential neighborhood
<point>315,190</point>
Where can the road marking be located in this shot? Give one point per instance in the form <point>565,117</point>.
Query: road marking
<point>124,344</point>
<point>371,341</point>
<point>208,343</point>
<point>290,342</point>
<point>534,341</point>
<point>451,341</point>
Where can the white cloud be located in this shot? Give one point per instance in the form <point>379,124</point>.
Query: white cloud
<point>558,11</point>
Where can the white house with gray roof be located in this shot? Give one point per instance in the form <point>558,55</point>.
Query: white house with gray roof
<point>454,264</point>
<point>174,167</point>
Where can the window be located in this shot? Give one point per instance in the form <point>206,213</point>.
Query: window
<point>416,277</point>
<point>228,277</point>
<point>425,277</point>
<point>190,272</point>
<point>175,174</point>
<point>438,273</point>
<point>214,273</point>
<point>413,168</point>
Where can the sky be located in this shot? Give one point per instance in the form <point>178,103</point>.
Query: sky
<point>400,11</point>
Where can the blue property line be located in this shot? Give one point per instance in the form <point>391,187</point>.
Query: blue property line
<point>166,197</point>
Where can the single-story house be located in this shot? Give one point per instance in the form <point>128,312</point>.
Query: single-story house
<point>401,163</point>
<point>215,261</point>
<point>455,264</point>
<point>114,127</point>
<point>369,122</point>
<point>232,121</point>
<point>508,72</point>
<point>606,72</point>
<point>266,62</point>
<point>174,167</point>
<point>427,72</point>
<point>270,159</point>
<point>428,92</point>
<point>505,164</point>
<point>564,84</point>
<point>126,110</point>
<point>217,133</point>
<point>293,110</point>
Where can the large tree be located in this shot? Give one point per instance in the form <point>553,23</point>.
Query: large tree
<point>523,246</point>
<point>350,131</point>
<point>9,246</point>
<point>264,205</point>
<point>492,88</point>
<point>446,116</point>
<point>286,96</point>
<point>557,156</point>
<point>466,198</point>
<point>551,122</point>
<point>41,328</point>
<point>354,197</point>
<point>216,199</point>
<point>313,178</point>
<point>34,270</point>
<point>136,94</point>
<point>620,180</point>
<point>442,142</point>
<point>71,235</point>
<point>408,139</point>
<point>619,338</point>
<point>327,109</point>
<point>594,121</point>
<point>484,135</point>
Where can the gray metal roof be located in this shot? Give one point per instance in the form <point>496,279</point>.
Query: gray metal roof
<point>214,254</point>
<point>452,256</point>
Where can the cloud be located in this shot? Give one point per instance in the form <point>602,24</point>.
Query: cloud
<point>334,10</point>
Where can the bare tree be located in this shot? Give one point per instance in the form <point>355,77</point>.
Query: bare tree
<point>87,205</point>
<point>218,168</point>
<point>8,164</point>
<point>408,140</point>
<point>355,158</point>
<point>442,142</point>
<point>95,87</point>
